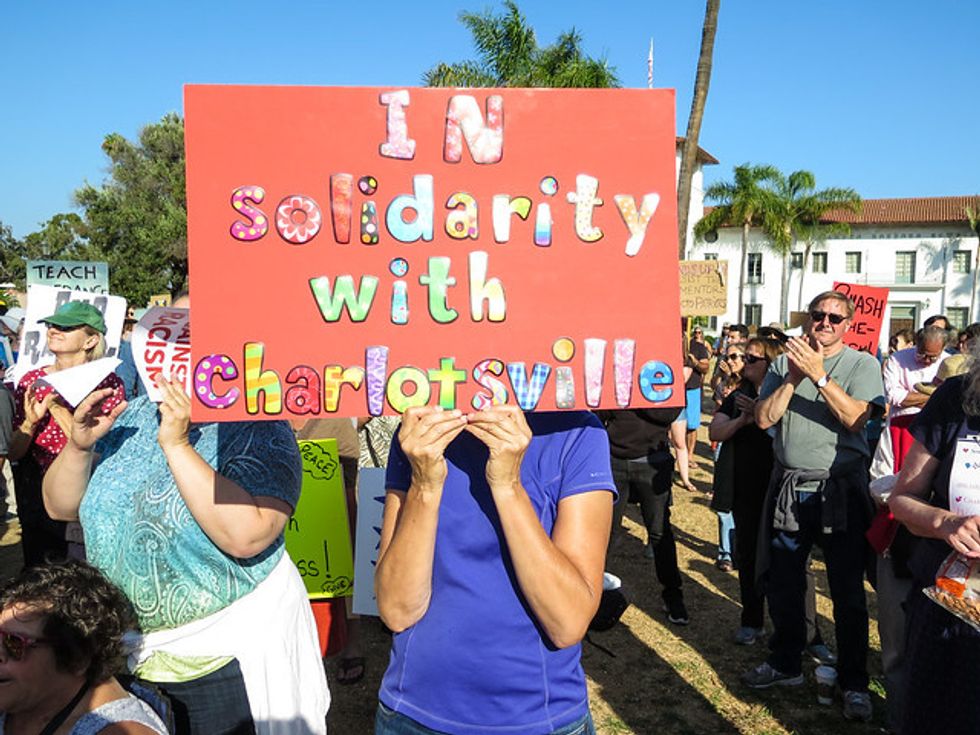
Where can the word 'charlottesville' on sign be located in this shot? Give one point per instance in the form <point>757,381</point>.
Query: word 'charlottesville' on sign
<point>357,251</point>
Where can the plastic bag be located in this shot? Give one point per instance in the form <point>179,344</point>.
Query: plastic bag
<point>957,588</point>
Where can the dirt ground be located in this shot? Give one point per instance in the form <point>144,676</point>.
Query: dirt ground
<point>660,678</point>
<point>664,678</point>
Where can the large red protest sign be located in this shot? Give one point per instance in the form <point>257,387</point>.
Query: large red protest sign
<point>869,311</point>
<point>356,251</point>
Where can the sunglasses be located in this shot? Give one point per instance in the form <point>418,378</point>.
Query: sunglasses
<point>735,356</point>
<point>65,329</point>
<point>15,645</point>
<point>819,316</point>
<point>753,359</point>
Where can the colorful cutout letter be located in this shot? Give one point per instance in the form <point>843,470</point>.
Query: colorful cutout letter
<point>341,186</point>
<point>652,375</point>
<point>438,280</point>
<point>486,292</point>
<point>464,120</point>
<point>396,393</point>
<point>624,355</point>
<point>331,304</point>
<point>595,358</point>
<point>564,387</point>
<point>503,207</point>
<point>528,392</point>
<point>261,381</point>
<point>585,200</point>
<point>398,145</point>
<point>496,391</point>
<point>462,223</point>
<point>376,366</point>
<point>448,377</point>
<point>204,373</point>
<point>257,224</point>
<point>399,291</point>
<point>336,377</point>
<point>303,398</point>
<point>637,224</point>
<point>423,204</point>
<point>298,219</point>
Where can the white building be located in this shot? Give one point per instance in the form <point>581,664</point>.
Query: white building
<point>922,250</point>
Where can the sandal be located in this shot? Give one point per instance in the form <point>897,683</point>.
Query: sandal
<point>351,670</point>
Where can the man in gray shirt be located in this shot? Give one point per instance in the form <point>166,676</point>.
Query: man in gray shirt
<point>818,396</point>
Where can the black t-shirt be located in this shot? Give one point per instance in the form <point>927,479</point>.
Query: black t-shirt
<point>752,445</point>
<point>700,351</point>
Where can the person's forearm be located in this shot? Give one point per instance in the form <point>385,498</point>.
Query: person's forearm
<point>913,399</point>
<point>722,427</point>
<point>919,517</point>
<point>231,517</point>
<point>852,413</point>
<point>770,410</point>
<point>65,482</point>
<point>403,576</point>
<point>562,599</point>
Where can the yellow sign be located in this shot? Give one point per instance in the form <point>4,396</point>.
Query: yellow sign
<point>704,287</point>
<point>317,535</point>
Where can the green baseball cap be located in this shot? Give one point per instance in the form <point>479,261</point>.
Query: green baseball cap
<point>77,314</point>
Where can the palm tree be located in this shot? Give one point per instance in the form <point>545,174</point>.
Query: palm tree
<point>509,56</point>
<point>798,209</point>
<point>690,149</point>
<point>745,202</point>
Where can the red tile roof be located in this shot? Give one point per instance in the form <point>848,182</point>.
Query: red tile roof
<point>913,211</point>
<point>703,155</point>
<point>908,211</point>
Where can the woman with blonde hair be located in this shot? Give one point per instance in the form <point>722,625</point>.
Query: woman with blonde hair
<point>76,335</point>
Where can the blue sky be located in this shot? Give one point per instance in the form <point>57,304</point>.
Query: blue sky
<point>880,96</point>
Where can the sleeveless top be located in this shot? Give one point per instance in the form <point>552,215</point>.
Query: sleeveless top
<point>129,709</point>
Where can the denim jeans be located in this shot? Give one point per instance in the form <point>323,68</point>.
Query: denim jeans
<point>726,536</point>
<point>649,479</point>
<point>845,554</point>
<point>389,722</point>
<point>216,704</point>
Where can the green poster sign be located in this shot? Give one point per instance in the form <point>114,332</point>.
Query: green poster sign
<point>317,535</point>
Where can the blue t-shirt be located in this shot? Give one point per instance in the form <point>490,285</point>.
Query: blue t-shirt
<point>140,533</point>
<point>477,663</point>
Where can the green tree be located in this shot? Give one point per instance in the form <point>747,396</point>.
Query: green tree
<point>509,56</point>
<point>797,215</point>
<point>137,219</point>
<point>62,238</point>
<point>9,247</point>
<point>744,202</point>
<point>689,152</point>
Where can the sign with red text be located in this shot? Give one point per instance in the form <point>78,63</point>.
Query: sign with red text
<point>357,251</point>
<point>44,301</point>
<point>162,348</point>
<point>869,310</point>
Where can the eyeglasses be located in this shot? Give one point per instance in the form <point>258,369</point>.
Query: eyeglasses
<point>819,316</point>
<point>735,356</point>
<point>753,359</point>
<point>15,645</point>
<point>926,357</point>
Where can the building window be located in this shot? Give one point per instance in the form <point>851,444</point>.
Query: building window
<point>796,260</point>
<point>755,268</point>
<point>957,316</point>
<point>819,263</point>
<point>711,256</point>
<point>905,267</point>
<point>753,314</point>
<point>961,261</point>
<point>852,262</point>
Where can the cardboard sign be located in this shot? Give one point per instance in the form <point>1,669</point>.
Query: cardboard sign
<point>92,277</point>
<point>42,302</point>
<point>869,310</point>
<point>704,287</point>
<point>162,347</point>
<point>370,510</point>
<point>431,246</point>
<point>317,535</point>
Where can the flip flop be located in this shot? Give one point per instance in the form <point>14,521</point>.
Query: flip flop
<point>351,670</point>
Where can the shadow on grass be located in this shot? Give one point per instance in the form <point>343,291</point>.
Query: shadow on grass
<point>712,599</point>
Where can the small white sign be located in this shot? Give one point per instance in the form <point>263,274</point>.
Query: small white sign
<point>73,384</point>
<point>162,347</point>
<point>964,478</point>
<point>370,511</point>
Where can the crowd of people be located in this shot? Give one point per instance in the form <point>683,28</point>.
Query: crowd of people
<point>187,616</point>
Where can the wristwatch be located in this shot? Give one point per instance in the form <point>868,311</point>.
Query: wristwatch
<point>822,383</point>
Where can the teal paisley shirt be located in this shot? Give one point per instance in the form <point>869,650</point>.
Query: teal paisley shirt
<point>138,529</point>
